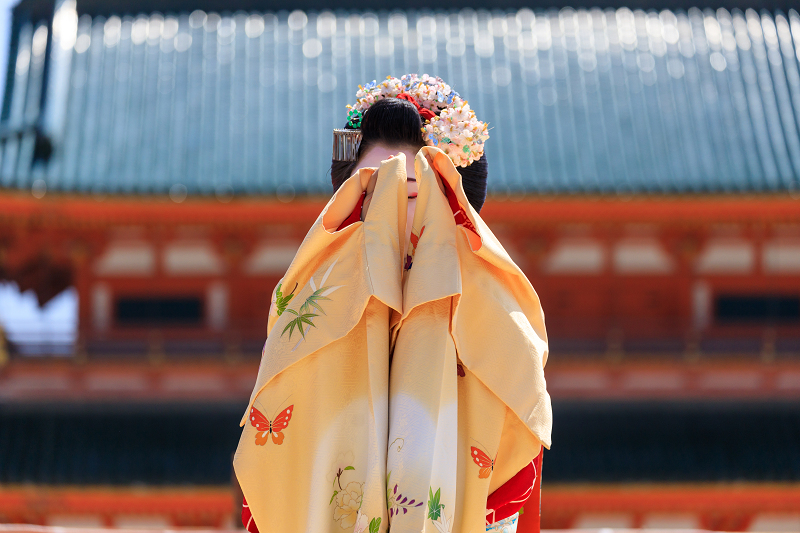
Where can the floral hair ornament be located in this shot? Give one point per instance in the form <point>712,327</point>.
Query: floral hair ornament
<point>448,122</point>
<point>426,114</point>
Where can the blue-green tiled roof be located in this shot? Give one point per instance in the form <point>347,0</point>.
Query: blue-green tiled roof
<point>578,100</point>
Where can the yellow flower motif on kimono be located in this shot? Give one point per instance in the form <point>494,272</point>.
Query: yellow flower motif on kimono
<point>348,503</point>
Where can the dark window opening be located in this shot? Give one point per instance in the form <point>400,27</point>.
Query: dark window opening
<point>182,311</point>
<point>757,308</point>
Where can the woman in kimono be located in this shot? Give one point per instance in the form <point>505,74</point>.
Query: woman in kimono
<point>401,387</point>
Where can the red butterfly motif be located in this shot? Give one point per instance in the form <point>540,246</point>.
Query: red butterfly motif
<point>485,463</point>
<point>415,238</point>
<point>414,242</point>
<point>265,427</point>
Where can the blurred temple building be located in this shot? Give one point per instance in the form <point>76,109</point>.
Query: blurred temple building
<point>162,161</point>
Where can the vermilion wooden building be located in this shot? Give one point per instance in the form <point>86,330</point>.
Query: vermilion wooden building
<point>687,278</point>
<point>644,173</point>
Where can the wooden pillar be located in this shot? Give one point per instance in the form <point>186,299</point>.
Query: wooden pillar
<point>81,277</point>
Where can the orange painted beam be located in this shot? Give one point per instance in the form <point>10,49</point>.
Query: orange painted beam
<point>722,507</point>
<point>686,209</point>
<point>672,498</point>
<point>203,507</point>
<point>118,500</point>
<point>32,528</point>
<point>84,210</point>
<point>77,210</point>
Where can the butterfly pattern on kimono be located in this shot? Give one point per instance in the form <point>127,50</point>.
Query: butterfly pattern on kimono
<point>265,427</point>
<point>484,462</point>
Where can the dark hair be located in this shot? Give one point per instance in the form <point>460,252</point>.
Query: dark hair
<point>397,124</point>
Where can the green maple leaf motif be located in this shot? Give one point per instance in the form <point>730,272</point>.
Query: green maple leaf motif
<point>374,525</point>
<point>312,300</point>
<point>434,507</point>
<point>304,318</point>
<point>282,301</point>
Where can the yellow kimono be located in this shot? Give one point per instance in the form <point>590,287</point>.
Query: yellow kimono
<point>396,399</point>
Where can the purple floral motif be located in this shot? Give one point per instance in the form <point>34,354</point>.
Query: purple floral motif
<point>396,502</point>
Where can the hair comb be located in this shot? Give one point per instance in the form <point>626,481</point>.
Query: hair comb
<point>345,144</point>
